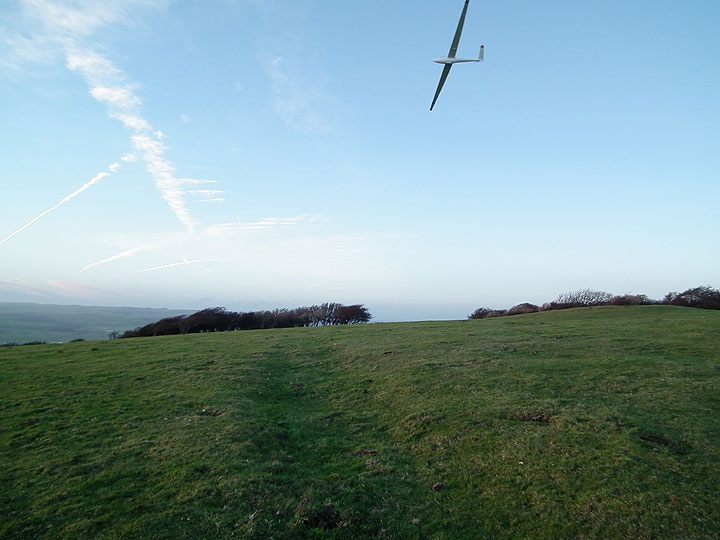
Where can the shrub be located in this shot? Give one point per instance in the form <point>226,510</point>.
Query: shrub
<point>485,313</point>
<point>698,297</point>
<point>630,300</point>
<point>479,313</point>
<point>523,308</point>
<point>354,314</point>
<point>214,319</point>
<point>581,298</point>
<point>218,319</point>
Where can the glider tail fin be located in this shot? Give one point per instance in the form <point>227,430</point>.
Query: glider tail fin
<point>481,56</point>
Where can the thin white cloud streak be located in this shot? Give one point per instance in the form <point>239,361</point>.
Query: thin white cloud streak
<point>202,237</point>
<point>122,255</point>
<point>195,181</point>
<point>261,225</point>
<point>94,180</point>
<point>156,246</point>
<point>208,195</point>
<point>173,265</point>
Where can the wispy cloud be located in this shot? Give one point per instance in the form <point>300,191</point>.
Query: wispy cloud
<point>81,18</point>
<point>87,185</point>
<point>163,171</point>
<point>208,195</point>
<point>260,225</point>
<point>71,26</point>
<point>16,287</point>
<point>132,121</point>
<point>300,103</point>
<point>75,290</point>
<point>206,192</point>
<point>36,30</point>
<point>107,86</point>
<point>73,29</point>
<point>298,82</point>
<point>121,98</point>
<point>16,51</point>
<point>97,70</point>
<point>200,239</point>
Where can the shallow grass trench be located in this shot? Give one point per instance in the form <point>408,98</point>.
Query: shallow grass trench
<point>593,423</point>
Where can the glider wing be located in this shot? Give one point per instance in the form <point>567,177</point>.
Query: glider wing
<point>446,70</point>
<point>456,39</point>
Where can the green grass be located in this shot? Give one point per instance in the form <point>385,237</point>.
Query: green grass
<point>590,423</point>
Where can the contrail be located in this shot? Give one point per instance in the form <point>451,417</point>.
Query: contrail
<point>113,168</point>
<point>184,262</point>
<point>69,26</point>
<point>123,255</point>
<point>107,87</point>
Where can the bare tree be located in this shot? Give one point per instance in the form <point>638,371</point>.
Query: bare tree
<point>581,298</point>
<point>326,313</point>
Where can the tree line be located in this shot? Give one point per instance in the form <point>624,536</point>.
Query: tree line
<point>703,297</point>
<point>219,319</point>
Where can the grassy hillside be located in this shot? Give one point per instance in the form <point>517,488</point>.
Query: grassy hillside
<point>22,322</point>
<point>590,423</point>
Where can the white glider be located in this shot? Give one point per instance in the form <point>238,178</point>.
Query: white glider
<point>450,59</point>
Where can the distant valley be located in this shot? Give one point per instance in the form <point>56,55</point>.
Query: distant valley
<point>27,322</point>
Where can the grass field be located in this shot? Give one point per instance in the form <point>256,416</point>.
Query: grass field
<point>589,423</point>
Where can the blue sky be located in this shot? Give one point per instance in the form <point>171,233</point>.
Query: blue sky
<point>261,153</point>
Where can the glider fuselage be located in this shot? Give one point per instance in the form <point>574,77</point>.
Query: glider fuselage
<point>449,60</point>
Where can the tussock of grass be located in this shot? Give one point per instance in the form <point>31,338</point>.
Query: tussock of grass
<point>592,423</point>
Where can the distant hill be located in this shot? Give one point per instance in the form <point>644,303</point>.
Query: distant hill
<point>24,322</point>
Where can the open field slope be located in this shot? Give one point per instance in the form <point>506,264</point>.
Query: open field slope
<point>586,423</point>
<point>23,322</point>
